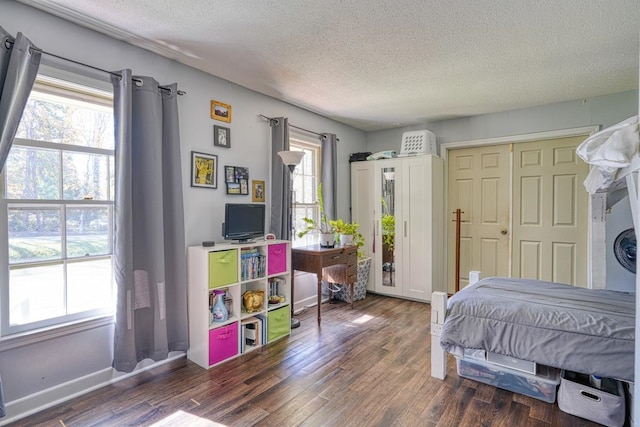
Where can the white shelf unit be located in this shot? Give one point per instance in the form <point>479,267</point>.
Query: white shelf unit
<point>221,267</point>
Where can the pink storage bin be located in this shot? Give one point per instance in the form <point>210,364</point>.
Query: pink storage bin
<point>277,258</point>
<point>223,343</point>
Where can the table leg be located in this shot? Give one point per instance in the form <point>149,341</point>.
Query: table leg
<point>319,295</point>
<point>352,286</point>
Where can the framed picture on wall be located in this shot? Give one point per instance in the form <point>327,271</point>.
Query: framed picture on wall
<point>204,170</point>
<point>221,136</point>
<point>220,111</point>
<point>257,194</point>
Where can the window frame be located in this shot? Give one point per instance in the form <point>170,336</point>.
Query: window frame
<point>76,87</point>
<point>299,142</point>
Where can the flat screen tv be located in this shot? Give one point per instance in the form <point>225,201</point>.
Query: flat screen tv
<point>243,221</point>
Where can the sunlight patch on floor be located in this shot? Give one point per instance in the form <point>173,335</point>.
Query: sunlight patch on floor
<point>185,419</point>
<point>363,319</point>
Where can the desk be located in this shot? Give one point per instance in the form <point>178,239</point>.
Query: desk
<point>312,259</point>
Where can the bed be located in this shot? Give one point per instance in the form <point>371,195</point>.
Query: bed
<point>562,326</point>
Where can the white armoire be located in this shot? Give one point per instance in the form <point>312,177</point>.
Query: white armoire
<point>399,206</point>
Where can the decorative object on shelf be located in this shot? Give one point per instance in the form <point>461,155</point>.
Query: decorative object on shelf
<point>221,136</point>
<point>220,111</point>
<point>257,195</point>
<point>324,228</point>
<point>237,180</point>
<point>220,313</point>
<point>253,300</point>
<point>204,170</point>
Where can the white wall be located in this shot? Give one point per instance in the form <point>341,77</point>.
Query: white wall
<point>602,110</point>
<point>29,369</point>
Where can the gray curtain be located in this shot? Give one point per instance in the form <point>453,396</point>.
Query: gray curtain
<point>328,174</point>
<point>281,224</point>
<point>19,62</point>
<point>149,252</point>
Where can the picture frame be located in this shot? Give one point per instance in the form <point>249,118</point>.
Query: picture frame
<point>229,174</point>
<point>221,136</point>
<point>220,111</point>
<point>237,180</point>
<point>233,188</point>
<point>257,193</point>
<point>204,170</point>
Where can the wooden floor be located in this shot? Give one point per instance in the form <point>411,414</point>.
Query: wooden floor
<point>369,366</point>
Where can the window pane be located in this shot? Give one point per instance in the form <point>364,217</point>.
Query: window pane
<point>86,176</point>
<point>54,118</point>
<point>36,294</point>
<point>88,231</point>
<point>34,234</point>
<point>33,173</point>
<point>89,285</point>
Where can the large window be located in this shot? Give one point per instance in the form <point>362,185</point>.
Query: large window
<point>57,209</point>
<point>305,187</point>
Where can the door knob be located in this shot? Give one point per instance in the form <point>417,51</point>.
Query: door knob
<point>504,231</point>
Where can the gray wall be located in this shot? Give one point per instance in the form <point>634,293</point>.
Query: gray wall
<point>602,110</point>
<point>28,369</point>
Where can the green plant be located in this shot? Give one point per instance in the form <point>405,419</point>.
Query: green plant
<point>324,225</point>
<point>388,230</point>
<point>342,227</point>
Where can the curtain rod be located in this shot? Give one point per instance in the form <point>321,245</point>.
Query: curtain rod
<point>9,43</point>
<point>297,127</point>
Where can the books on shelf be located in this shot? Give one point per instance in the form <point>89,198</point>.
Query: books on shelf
<point>253,264</point>
<point>252,333</point>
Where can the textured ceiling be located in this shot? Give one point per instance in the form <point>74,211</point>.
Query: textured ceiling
<point>382,64</point>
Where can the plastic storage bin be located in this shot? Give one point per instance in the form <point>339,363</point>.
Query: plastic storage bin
<point>223,268</point>
<point>278,323</point>
<point>277,259</point>
<point>223,343</point>
<point>542,386</point>
<point>605,406</point>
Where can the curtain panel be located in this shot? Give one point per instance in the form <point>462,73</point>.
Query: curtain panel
<point>149,248</point>
<point>328,174</point>
<point>19,63</point>
<point>281,223</point>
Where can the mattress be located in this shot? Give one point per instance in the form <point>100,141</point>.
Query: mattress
<point>582,330</point>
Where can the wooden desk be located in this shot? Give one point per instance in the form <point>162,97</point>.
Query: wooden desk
<point>313,259</point>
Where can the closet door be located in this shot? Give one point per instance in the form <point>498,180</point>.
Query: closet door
<point>362,208</point>
<point>387,181</point>
<point>422,231</point>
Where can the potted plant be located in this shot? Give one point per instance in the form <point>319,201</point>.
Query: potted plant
<point>346,231</point>
<point>323,227</point>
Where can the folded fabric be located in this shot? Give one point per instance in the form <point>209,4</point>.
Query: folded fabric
<point>613,152</point>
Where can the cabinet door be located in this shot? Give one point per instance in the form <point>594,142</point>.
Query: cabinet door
<point>362,207</point>
<point>387,181</point>
<point>421,227</point>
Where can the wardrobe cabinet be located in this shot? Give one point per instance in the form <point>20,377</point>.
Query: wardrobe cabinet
<point>246,275</point>
<point>399,206</point>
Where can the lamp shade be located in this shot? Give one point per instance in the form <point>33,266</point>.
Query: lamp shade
<point>291,158</point>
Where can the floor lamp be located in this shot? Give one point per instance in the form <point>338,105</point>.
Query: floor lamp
<point>291,159</point>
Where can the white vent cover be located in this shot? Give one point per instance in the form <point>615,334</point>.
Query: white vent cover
<point>417,143</point>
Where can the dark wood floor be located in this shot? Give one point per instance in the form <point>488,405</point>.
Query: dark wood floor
<point>364,367</point>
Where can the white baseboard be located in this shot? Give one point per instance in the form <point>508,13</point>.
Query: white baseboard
<point>44,399</point>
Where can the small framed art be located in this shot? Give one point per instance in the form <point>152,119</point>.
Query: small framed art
<point>258,191</point>
<point>220,111</point>
<point>237,180</point>
<point>204,170</point>
<point>221,136</point>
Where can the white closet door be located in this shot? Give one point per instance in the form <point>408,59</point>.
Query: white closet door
<point>362,208</point>
<point>387,182</point>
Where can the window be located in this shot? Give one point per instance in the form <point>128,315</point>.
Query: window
<point>305,188</point>
<point>57,209</point>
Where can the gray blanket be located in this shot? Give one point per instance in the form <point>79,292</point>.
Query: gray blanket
<point>581,330</point>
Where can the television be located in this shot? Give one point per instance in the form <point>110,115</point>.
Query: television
<point>243,221</point>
